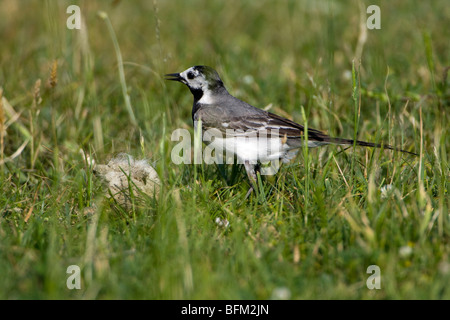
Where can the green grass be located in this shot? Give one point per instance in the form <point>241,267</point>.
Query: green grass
<point>314,228</point>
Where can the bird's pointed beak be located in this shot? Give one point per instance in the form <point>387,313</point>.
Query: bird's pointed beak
<point>174,77</point>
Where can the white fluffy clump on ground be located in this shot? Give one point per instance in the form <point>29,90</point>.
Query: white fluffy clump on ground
<point>124,169</point>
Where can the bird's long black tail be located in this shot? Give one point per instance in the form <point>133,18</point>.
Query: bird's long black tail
<point>365,144</point>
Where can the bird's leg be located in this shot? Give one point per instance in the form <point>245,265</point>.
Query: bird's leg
<point>249,192</point>
<point>251,170</point>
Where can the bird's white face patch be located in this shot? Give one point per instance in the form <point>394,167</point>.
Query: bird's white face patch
<point>196,80</point>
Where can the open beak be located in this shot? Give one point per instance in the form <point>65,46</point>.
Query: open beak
<point>174,77</point>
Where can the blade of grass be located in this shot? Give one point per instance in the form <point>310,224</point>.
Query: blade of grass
<point>357,108</point>
<point>104,16</point>
<point>306,159</point>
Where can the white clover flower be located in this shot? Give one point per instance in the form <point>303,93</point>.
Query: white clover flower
<point>222,222</point>
<point>386,190</point>
<point>248,79</point>
<point>405,251</point>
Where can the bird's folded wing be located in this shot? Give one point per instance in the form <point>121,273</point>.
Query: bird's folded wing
<point>263,124</point>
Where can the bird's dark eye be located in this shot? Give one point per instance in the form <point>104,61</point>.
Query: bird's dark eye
<point>190,75</point>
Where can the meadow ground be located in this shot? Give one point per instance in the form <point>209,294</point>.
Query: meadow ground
<point>311,232</point>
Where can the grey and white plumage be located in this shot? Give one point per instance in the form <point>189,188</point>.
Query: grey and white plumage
<point>241,123</point>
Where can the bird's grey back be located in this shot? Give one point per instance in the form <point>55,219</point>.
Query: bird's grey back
<point>226,106</point>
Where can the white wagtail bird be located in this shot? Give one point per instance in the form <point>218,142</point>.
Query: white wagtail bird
<point>242,125</point>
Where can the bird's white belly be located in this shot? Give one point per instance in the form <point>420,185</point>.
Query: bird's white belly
<point>255,149</point>
<point>251,149</point>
